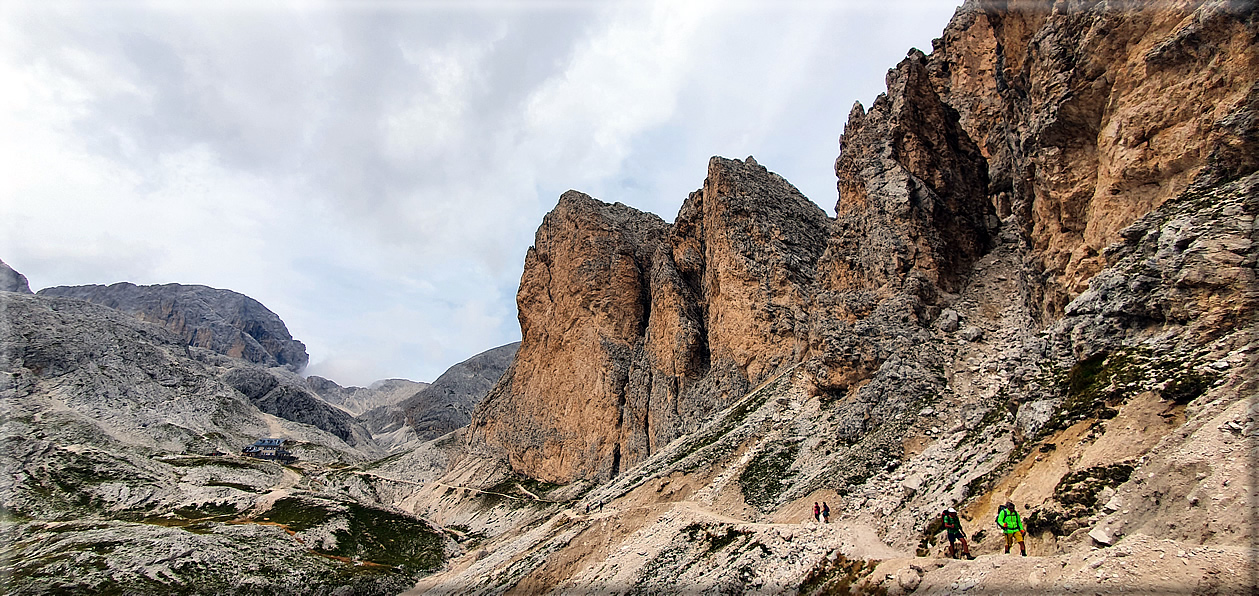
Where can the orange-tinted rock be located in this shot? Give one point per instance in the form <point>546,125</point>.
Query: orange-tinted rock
<point>1092,118</point>
<point>634,331</point>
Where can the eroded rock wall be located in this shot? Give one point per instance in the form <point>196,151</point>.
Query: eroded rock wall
<point>1042,129</point>
<point>634,331</point>
<point>1091,114</point>
<point>224,321</point>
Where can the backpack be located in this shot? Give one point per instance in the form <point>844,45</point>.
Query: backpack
<point>1000,512</point>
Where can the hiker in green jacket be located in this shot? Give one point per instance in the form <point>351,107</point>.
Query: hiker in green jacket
<point>954,527</point>
<point>1012,525</point>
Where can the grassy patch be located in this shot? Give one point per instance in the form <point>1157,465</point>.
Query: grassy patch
<point>207,510</point>
<point>368,534</point>
<point>1093,387</point>
<point>1186,388</point>
<point>222,462</point>
<point>384,461</point>
<point>714,538</point>
<point>388,538</point>
<point>298,515</point>
<point>767,475</point>
<point>839,575</point>
<point>240,487</point>
<point>1082,486</point>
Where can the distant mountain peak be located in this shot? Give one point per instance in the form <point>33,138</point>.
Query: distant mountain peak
<point>223,321</point>
<point>12,281</point>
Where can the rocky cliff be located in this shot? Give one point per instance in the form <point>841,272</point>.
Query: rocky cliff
<point>1039,286</point>
<point>1090,115</point>
<point>634,330</point>
<point>118,475</point>
<point>12,281</point>
<point>443,406</point>
<point>220,320</point>
<point>357,400</point>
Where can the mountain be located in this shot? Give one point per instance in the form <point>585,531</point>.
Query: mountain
<point>357,400</point>
<point>443,406</point>
<point>220,320</point>
<point>114,478</point>
<point>1039,287</point>
<point>12,281</point>
<point>635,331</point>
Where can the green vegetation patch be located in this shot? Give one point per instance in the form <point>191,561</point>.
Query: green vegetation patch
<point>1082,486</point>
<point>1093,387</point>
<point>513,483</point>
<point>368,534</point>
<point>206,510</point>
<point>240,487</point>
<point>1076,497</point>
<point>768,475</point>
<point>222,462</point>
<point>714,538</point>
<point>1187,387</point>
<point>389,538</point>
<point>384,461</point>
<point>299,515</point>
<point>836,574</point>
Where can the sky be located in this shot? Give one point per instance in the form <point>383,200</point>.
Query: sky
<point>374,171</point>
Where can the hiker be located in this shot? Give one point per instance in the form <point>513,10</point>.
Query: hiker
<point>817,512</point>
<point>826,513</point>
<point>953,525</point>
<point>1012,525</point>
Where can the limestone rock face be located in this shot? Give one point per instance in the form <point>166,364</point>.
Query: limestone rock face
<point>1093,115</point>
<point>286,396</point>
<point>634,331</point>
<point>912,217</point>
<point>912,192</point>
<point>357,400</point>
<point>12,281</point>
<point>111,423</point>
<point>583,307</point>
<point>443,406</point>
<point>220,320</point>
<point>1032,136</point>
<point>756,240</point>
<point>1040,288</point>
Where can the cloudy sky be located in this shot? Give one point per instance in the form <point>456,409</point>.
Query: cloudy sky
<point>373,171</point>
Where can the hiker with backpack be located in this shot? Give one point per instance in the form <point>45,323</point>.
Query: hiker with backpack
<point>1012,525</point>
<point>953,525</point>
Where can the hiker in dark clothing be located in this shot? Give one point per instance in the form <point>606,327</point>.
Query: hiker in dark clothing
<point>953,525</point>
<point>826,513</point>
<point>817,512</point>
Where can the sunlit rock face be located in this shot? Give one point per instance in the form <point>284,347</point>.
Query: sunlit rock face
<point>1090,117</point>
<point>1040,131</point>
<point>634,331</point>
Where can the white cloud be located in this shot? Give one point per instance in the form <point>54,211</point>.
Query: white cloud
<point>373,172</point>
